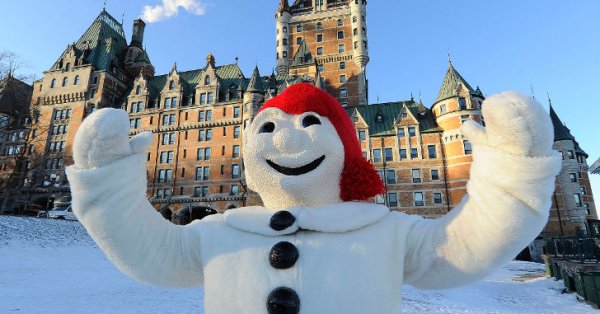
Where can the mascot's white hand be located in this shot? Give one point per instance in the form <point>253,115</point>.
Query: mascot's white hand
<point>103,137</point>
<point>514,123</point>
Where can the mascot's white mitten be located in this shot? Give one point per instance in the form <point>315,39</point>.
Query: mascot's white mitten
<point>515,123</point>
<point>103,138</point>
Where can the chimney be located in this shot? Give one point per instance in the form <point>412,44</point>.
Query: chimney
<point>137,38</point>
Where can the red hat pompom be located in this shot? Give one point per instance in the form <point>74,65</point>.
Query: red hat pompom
<point>359,180</point>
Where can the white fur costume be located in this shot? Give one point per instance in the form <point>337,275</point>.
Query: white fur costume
<point>353,257</point>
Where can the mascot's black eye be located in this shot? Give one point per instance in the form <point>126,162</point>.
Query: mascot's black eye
<point>310,120</point>
<point>268,127</point>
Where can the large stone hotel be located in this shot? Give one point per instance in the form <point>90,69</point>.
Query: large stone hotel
<point>198,117</point>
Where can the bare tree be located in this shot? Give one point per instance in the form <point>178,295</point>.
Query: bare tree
<point>16,136</point>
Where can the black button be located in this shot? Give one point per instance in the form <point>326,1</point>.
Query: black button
<point>283,255</point>
<point>283,301</point>
<point>282,220</point>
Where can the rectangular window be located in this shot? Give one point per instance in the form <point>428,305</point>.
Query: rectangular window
<point>443,109</point>
<point>236,151</point>
<point>577,197</point>
<point>419,199</point>
<point>209,98</point>
<point>201,135</point>
<point>377,155</point>
<point>416,176</point>
<point>172,119</point>
<point>392,199</point>
<point>467,147</point>
<point>570,154</point>
<point>462,103</point>
<point>209,134</point>
<point>200,154</point>
<point>340,34</point>
<point>431,151</point>
<point>201,116</point>
<point>390,176</point>
<point>572,177</point>
<point>236,132</point>
<point>341,48</point>
<point>583,190</point>
<point>463,118</point>
<point>207,153</point>
<point>362,135</point>
<point>319,38</point>
<point>411,131</point>
<point>167,103</point>
<point>342,65</point>
<point>403,154</point>
<point>224,131</point>
<point>319,51</point>
<point>435,175</point>
<point>236,112</point>
<point>165,120</point>
<point>208,115</point>
<point>235,171</point>
<point>202,98</point>
<point>343,78</point>
<point>298,40</point>
<point>235,189</point>
<point>401,132</point>
<point>437,198</point>
<point>388,154</point>
<point>174,102</point>
<point>343,93</point>
<point>413,153</point>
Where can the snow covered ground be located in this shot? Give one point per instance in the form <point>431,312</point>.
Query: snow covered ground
<point>51,266</point>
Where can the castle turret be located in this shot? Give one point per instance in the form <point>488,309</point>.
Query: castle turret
<point>136,58</point>
<point>360,45</point>
<point>283,17</point>
<point>457,102</point>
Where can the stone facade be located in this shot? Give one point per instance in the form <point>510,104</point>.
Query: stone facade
<point>198,116</point>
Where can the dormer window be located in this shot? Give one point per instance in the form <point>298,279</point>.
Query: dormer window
<point>171,85</point>
<point>138,90</point>
<point>68,67</point>
<point>379,118</point>
<point>207,80</point>
<point>404,115</point>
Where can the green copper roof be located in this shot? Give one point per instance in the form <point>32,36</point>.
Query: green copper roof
<point>100,44</point>
<point>390,112</point>
<point>303,56</point>
<point>452,82</point>
<point>256,82</point>
<point>561,132</point>
<point>229,75</point>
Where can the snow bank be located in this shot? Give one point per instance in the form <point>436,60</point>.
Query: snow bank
<point>52,266</point>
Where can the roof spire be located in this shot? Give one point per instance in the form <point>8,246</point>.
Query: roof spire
<point>104,7</point>
<point>284,6</point>
<point>449,57</point>
<point>255,84</point>
<point>532,92</point>
<point>549,100</point>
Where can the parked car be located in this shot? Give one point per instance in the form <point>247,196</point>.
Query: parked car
<point>62,212</point>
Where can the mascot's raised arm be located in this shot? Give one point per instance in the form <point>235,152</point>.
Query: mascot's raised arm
<point>313,248</point>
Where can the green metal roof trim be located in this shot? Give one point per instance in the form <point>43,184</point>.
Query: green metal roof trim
<point>230,75</point>
<point>390,112</point>
<point>104,40</point>
<point>452,81</point>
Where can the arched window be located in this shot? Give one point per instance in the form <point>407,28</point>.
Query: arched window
<point>76,81</point>
<point>354,19</point>
<point>207,80</point>
<point>171,85</point>
<point>285,29</point>
<point>319,26</point>
<point>138,90</point>
<point>65,81</point>
<point>68,67</point>
<point>340,22</point>
<point>299,28</point>
<point>53,83</point>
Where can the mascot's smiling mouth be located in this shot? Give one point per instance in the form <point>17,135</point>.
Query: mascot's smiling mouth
<point>299,170</point>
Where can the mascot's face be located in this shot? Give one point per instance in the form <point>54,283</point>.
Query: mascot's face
<point>293,159</point>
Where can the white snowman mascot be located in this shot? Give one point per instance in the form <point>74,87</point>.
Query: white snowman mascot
<point>313,248</point>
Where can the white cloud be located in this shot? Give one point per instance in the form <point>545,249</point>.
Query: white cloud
<point>170,8</point>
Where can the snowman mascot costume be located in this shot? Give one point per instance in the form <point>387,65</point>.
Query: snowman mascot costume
<point>313,248</point>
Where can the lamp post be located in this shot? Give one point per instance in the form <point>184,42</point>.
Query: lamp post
<point>50,185</point>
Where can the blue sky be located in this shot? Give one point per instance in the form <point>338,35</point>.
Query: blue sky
<point>553,46</point>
